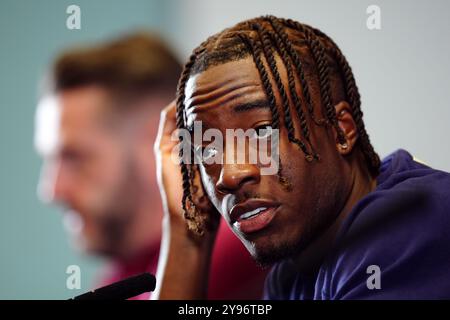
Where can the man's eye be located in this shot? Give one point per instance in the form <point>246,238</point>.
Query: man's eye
<point>205,154</point>
<point>209,153</point>
<point>71,156</point>
<point>263,131</point>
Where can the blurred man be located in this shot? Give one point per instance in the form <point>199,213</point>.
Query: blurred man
<point>95,130</point>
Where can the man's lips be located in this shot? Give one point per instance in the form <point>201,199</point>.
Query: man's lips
<point>253,215</point>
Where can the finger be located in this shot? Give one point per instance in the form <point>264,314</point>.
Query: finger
<point>169,114</point>
<point>167,124</point>
<point>199,195</point>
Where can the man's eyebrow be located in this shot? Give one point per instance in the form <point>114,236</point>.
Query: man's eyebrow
<point>258,104</point>
<point>190,127</point>
<point>242,107</point>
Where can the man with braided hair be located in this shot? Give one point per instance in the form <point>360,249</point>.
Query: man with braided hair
<point>334,221</point>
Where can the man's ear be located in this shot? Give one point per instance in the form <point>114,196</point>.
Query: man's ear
<point>347,126</point>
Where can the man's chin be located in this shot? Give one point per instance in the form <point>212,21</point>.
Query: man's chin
<point>97,249</point>
<point>83,245</point>
<point>266,258</point>
<point>78,244</point>
<point>269,254</point>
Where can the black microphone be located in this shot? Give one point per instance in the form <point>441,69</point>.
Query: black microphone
<point>123,289</point>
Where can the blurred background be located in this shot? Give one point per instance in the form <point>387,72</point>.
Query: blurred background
<point>401,70</point>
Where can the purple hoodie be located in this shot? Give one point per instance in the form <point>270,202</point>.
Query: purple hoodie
<point>398,234</point>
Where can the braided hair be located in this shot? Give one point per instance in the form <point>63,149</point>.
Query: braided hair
<point>306,52</point>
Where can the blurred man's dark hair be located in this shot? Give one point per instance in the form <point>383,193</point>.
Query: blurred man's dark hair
<point>131,66</point>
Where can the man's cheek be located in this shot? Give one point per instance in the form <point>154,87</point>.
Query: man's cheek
<point>209,186</point>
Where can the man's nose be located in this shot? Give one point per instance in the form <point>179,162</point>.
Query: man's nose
<point>53,187</point>
<point>234,176</point>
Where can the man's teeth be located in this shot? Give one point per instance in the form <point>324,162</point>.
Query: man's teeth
<point>252,213</point>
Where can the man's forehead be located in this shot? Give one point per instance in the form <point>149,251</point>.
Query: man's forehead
<point>66,117</point>
<point>216,77</point>
<point>221,85</point>
<point>47,124</point>
<point>84,103</point>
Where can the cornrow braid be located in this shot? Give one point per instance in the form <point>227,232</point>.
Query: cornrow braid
<point>352,93</point>
<point>298,65</point>
<point>268,52</point>
<point>189,210</point>
<point>291,83</point>
<point>318,53</point>
<point>256,50</point>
